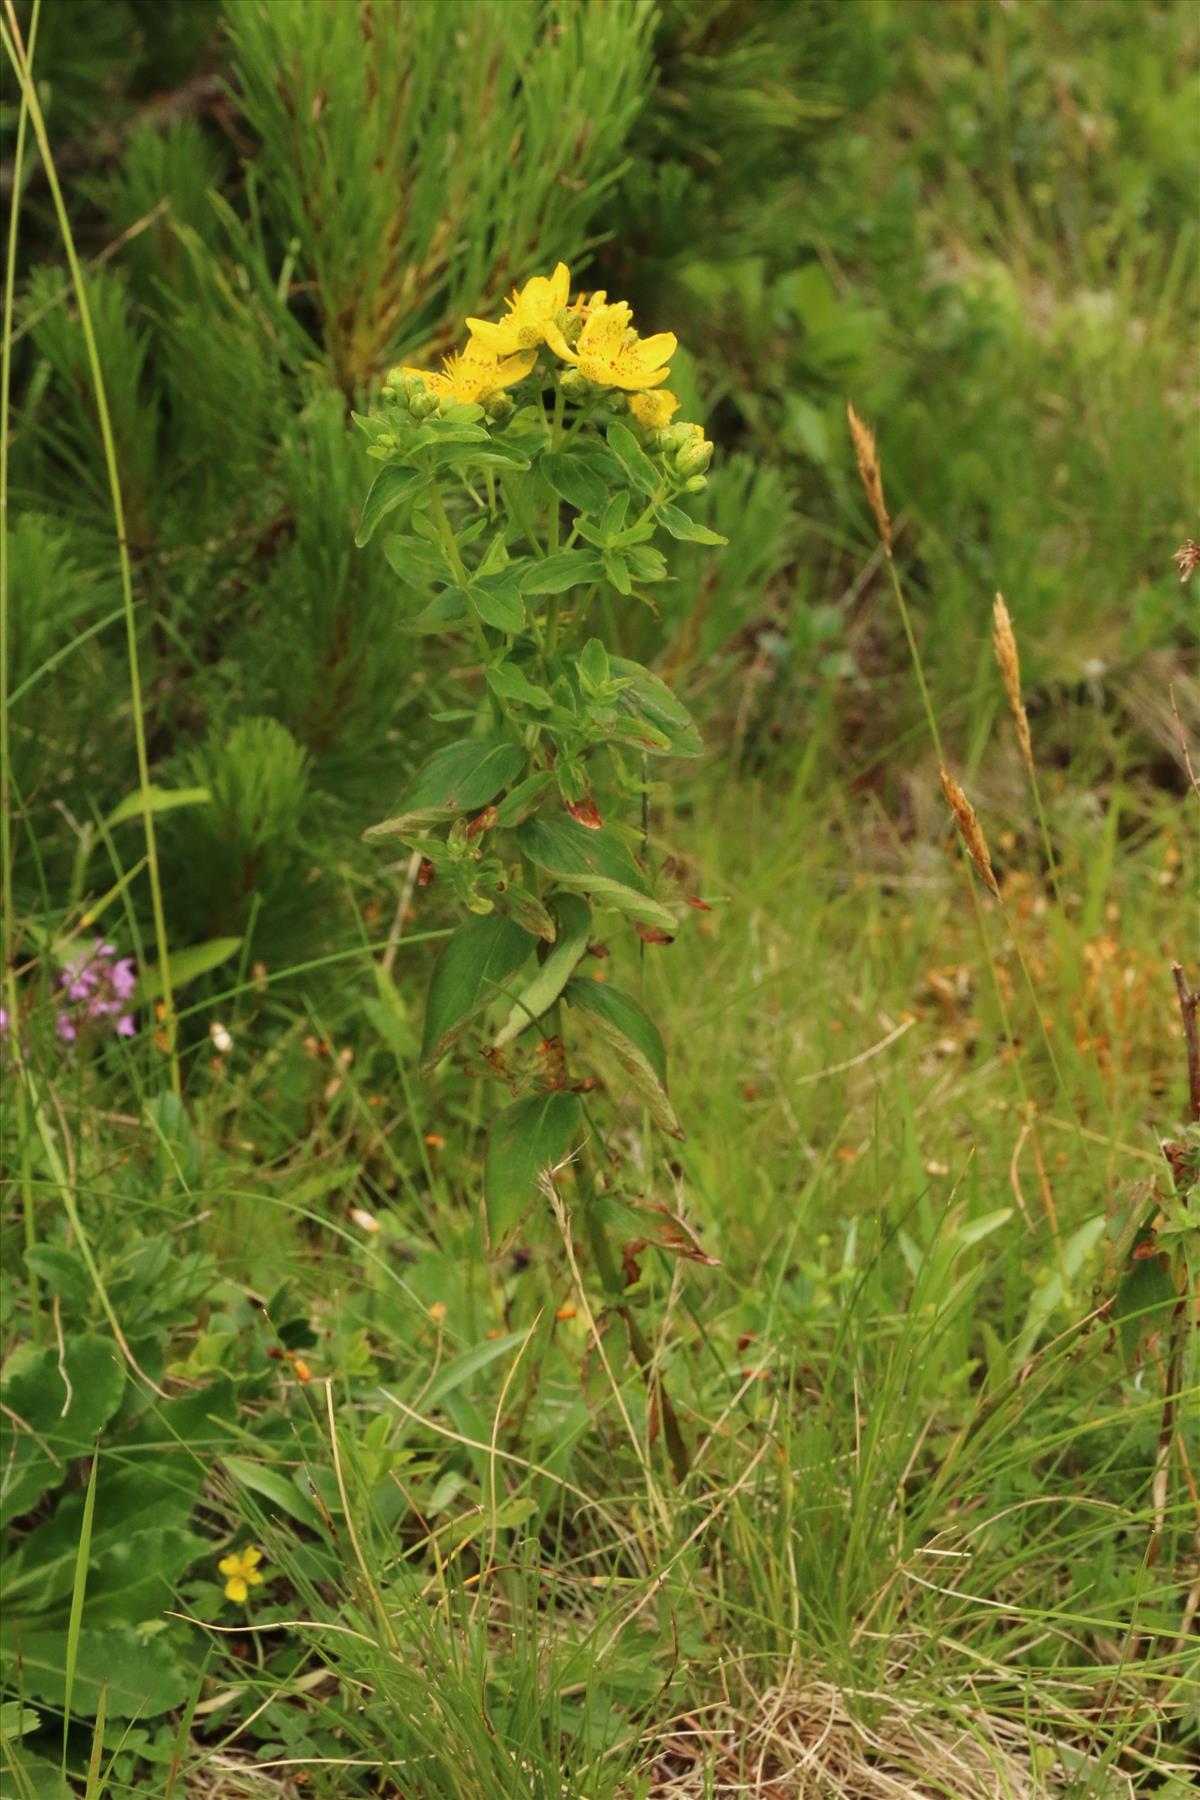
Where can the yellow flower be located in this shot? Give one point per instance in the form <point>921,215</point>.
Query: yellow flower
<point>241,1572</point>
<point>611,353</point>
<point>475,374</point>
<point>654,410</point>
<point>532,313</point>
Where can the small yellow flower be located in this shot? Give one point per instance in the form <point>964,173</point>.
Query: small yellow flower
<point>241,1573</point>
<point>653,411</point>
<point>610,353</point>
<point>475,374</point>
<point>532,313</point>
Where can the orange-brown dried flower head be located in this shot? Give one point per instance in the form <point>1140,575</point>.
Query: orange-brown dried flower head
<point>869,472</point>
<point>967,821</point>
<point>1187,559</point>
<point>1004,643</point>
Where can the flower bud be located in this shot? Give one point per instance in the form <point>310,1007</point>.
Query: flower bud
<point>573,384</point>
<point>423,403</point>
<point>694,458</point>
<point>498,407</point>
<point>695,484</point>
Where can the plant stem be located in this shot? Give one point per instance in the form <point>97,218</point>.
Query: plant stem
<point>20,62</point>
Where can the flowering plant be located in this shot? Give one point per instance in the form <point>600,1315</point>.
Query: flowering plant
<point>522,485</point>
<point>96,988</point>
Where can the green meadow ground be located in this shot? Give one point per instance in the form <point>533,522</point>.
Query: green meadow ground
<point>939,1532</point>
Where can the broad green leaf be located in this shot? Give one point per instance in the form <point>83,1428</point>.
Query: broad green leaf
<point>390,488</point>
<point>574,923</point>
<point>571,477</point>
<point>507,680</point>
<point>633,459</point>
<point>591,862</point>
<point>524,798</point>
<point>160,800</point>
<point>478,962</point>
<point>634,1040</point>
<point>187,965</point>
<point>685,529</point>
<point>524,1141</point>
<point>273,1485</point>
<point>47,1421</point>
<point>134,1579</point>
<point>528,910</point>
<point>570,568</point>
<point>64,1273</point>
<point>1144,1300</point>
<point>593,664</point>
<point>497,598</point>
<point>647,701</point>
<point>446,610</point>
<point>457,779</point>
<point>141,1677</point>
<point>17,1721</point>
<point>455,1374</point>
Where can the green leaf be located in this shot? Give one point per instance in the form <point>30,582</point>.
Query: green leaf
<point>647,702</point>
<point>507,680</point>
<point>141,1677</point>
<point>685,529</point>
<point>593,665</point>
<point>1144,1299</point>
<point>571,478</point>
<point>574,924</point>
<point>17,1721</point>
<point>478,961</point>
<point>497,598</point>
<point>617,570</point>
<point>634,1040</point>
<point>456,1373</point>
<point>272,1485</point>
<point>187,965</point>
<point>390,488</point>
<point>524,1141</point>
<point>457,779</point>
<point>446,610</point>
<point>160,800</point>
<point>524,798</point>
<point>64,1273</point>
<point>591,862</point>
<point>633,459</point>
<point>570,568</point>
<point>49,1421</point>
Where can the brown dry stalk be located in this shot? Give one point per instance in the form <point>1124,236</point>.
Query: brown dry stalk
<point>872,480</point>
<point>968,823</point>
<point>1004,643</point>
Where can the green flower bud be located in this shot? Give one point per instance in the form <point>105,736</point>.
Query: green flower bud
<point>573,384</point>
<point>694,458</point>
<point>423,404</point>
<point>695,484</point>
<point>674,437</point>
<point>498,407</point>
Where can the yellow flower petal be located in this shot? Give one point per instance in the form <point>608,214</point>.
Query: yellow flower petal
<point>236,1589</point>
<point>229,1565</point>
<point>250,1556</point>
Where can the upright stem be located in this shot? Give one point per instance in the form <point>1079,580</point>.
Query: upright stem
<point>20,61</point>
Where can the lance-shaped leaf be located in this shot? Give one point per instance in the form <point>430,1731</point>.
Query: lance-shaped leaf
<point>455,780</point>
<point>687,530</point>
<point>574,920</point>
<point>653,717</point>
<point>524,1142</point>
<point>634,1039</point>
<point>568,569</point>
<point>591,862</point>
<point>479,960</point>
<point>390,488</point>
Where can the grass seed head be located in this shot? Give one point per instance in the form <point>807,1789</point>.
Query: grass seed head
<point>1005,644</point>
<point>968,823</point>
<point>869,472</point>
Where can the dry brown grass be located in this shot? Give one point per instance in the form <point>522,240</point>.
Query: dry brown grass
<point>809,1742</point>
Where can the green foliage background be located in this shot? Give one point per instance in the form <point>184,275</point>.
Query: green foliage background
<point>977,222</point>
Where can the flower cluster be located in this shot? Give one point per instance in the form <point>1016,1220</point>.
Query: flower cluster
<point>597,349</point>
<point>96,987</point>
